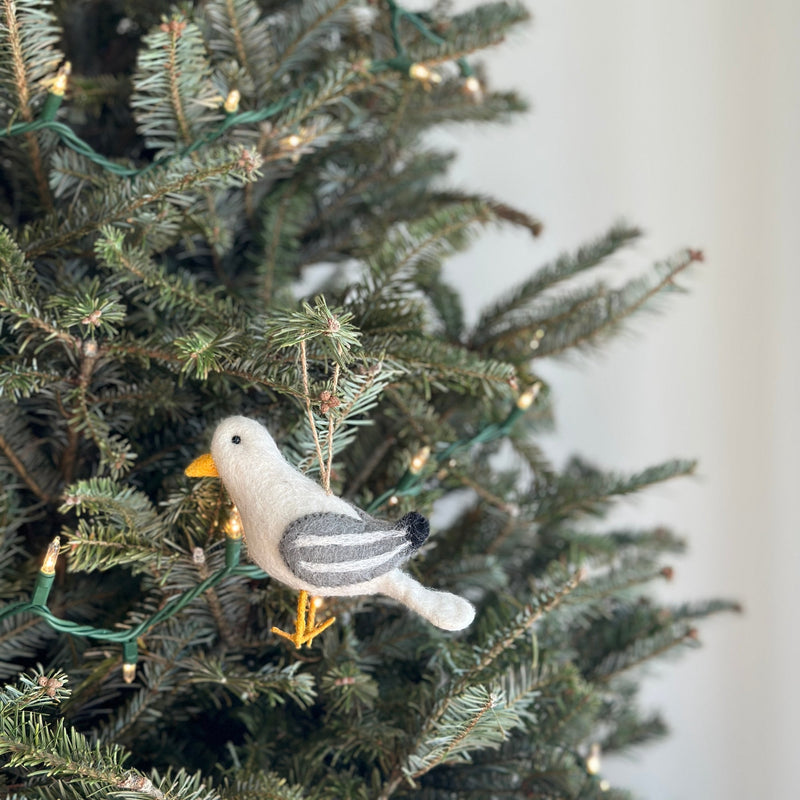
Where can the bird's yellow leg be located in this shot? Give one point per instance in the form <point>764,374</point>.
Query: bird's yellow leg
<point>305,627</point>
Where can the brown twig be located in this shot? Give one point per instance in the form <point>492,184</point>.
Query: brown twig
<point>326,478</point>
<point>22,471</point>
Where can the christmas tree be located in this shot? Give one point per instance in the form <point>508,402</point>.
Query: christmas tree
<point>170,175</point>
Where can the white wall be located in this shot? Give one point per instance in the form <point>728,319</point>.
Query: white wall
<point>683,116</point>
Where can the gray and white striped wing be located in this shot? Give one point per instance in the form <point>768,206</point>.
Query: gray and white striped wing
<point>335,550</point>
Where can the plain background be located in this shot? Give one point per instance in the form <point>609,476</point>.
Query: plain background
<point>683,117</point>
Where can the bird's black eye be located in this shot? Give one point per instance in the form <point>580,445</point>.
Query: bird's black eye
<point>236,439</point>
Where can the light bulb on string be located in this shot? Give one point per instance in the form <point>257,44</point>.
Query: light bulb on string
<point>58,86</point>
<point>51,557</point>
<point>419,460</point>
<point>593,760</point>
<point>427,77</point>
<point>525,400</point>
<point>233,527</point>
<point>130,655</point>
<point>231,105</point>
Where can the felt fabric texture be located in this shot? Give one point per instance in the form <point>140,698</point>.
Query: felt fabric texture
<point>318,542</point>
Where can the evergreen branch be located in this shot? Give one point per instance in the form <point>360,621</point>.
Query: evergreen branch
<point>52,749</point>
<point>27,56</point>
<point>159,687</point>
<point>263,785</point>
<point>333,86</point>
<point>129,197</point>
<point>248,34</point>
<point>485,659</point>
<point>144,274</point>
<point>311,21</point>
<point>12,41</point>
<point>432,364</point>
<point>474,30</point>
<point>642,651</point>
<point>173,96</point>
<point>565,267</point>
<point>270,681</point>
<point>525,620</point>
<point>486,723</point>
<point>582,489</point>
<point>601,312</point>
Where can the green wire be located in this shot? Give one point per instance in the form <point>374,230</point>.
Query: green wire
<point>410,484</point>
<point>172,607</point>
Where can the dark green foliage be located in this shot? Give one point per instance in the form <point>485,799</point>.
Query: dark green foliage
<point>150,252</point>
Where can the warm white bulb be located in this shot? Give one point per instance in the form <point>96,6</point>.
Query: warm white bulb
<point>419,72</point>
<point>59,83</point>
<point>233,527</point>
<point>472,85</point>
<point>419,460</point>
<point>50,558</point>
<point>232,101</point>
<point>525,400</point>
<point>593,760</point>
<point>129,673</point>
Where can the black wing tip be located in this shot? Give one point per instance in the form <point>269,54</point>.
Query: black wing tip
<point>416,527</point>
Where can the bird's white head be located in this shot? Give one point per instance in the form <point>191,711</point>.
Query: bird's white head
<point>240,447</point>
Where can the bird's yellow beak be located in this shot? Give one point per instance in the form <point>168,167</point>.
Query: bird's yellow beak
<point>202,467</point>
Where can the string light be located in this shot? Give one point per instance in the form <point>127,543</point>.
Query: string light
<point>47,574</point>
<point>231,104</point>
<point>130,655</point>
<point>427,77</point>
<point>51,557</point>
<point>419,460</point>
<point>593,759</point>
<point>58,85</point>
<point>233,538</point>
<point>525,400</point>
<point>233,527</point>
<point>473,88</point>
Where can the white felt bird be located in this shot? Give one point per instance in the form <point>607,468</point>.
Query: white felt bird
<point>314,541</point>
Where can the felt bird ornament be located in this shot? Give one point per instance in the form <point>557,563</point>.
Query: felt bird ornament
<point>314,541</point>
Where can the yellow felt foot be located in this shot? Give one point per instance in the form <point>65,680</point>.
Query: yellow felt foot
<point>305,626</point>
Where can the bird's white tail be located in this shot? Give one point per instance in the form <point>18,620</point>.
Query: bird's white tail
<point>442,609</point>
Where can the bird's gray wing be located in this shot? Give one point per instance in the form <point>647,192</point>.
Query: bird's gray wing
<point>336,550</point>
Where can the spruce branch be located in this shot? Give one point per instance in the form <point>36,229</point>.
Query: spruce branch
<point>151,285</point>
<point>129,197</point>
<point>238,30</point>
<point>583,489</point>
<point>580,322</point>
<point>491,325</point>
<point>643,651</point>
<point>173,97</point>
<point>298,41</point>
<point>28,35</point>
